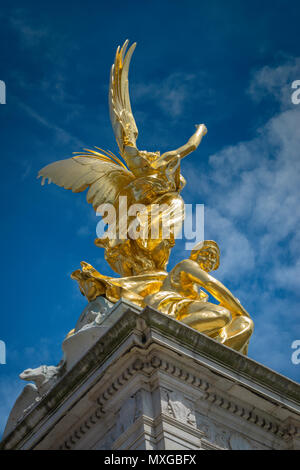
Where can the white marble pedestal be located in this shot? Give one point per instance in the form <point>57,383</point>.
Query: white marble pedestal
<point>147,381</point>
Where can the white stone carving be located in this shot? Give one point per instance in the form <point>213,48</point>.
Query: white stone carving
<point>43,377</point>
<point>221,437</point>
<point>94,313</point>
<point>176,405</point>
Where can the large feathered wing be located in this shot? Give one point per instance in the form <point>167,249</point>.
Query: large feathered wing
<point>121,116</point>
<point>102,175</point>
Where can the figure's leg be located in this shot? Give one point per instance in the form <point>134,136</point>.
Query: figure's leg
<point>206,317</point>
<point>238,333</point>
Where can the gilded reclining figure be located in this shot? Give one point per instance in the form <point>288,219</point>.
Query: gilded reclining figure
<point>177,294</point>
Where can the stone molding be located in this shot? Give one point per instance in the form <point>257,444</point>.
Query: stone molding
<point>153,364</point>
<point>145,329</point>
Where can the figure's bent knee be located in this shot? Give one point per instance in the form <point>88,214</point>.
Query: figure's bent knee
<point>248,324</point>
<point>238,333</point>
<point>224,313</point>
<point>212,317</point>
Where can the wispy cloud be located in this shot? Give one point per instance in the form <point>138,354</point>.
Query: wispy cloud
<point>52,79</point>
<point>275,82</point>
<point>30,34</point>
<point>173,94</point>
<point>27,169</point>
<point>84,231</point>
<point>61,135</point>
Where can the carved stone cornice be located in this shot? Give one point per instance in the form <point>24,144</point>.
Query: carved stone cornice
<point>153,363</point>
<point>142,329</point>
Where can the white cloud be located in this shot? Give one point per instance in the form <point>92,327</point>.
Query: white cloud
<point>31,35</point>
<point>61,135</point>
<point>255,185</point>
<point>287,276</point>
<point>173,93</point>
<point>276,82</point>
<point>237,253</point>
<point>27,169</point>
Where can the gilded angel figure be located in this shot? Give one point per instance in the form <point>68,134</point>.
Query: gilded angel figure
<point>143,177</point>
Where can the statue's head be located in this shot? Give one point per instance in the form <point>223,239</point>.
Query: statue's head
<point>207,255</point>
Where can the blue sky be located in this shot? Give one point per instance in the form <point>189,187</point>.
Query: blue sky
<point>227,64</point>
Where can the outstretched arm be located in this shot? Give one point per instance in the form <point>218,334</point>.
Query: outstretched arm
<point>186,149</point>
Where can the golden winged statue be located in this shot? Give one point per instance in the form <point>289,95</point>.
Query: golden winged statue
<point>147,180</point>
